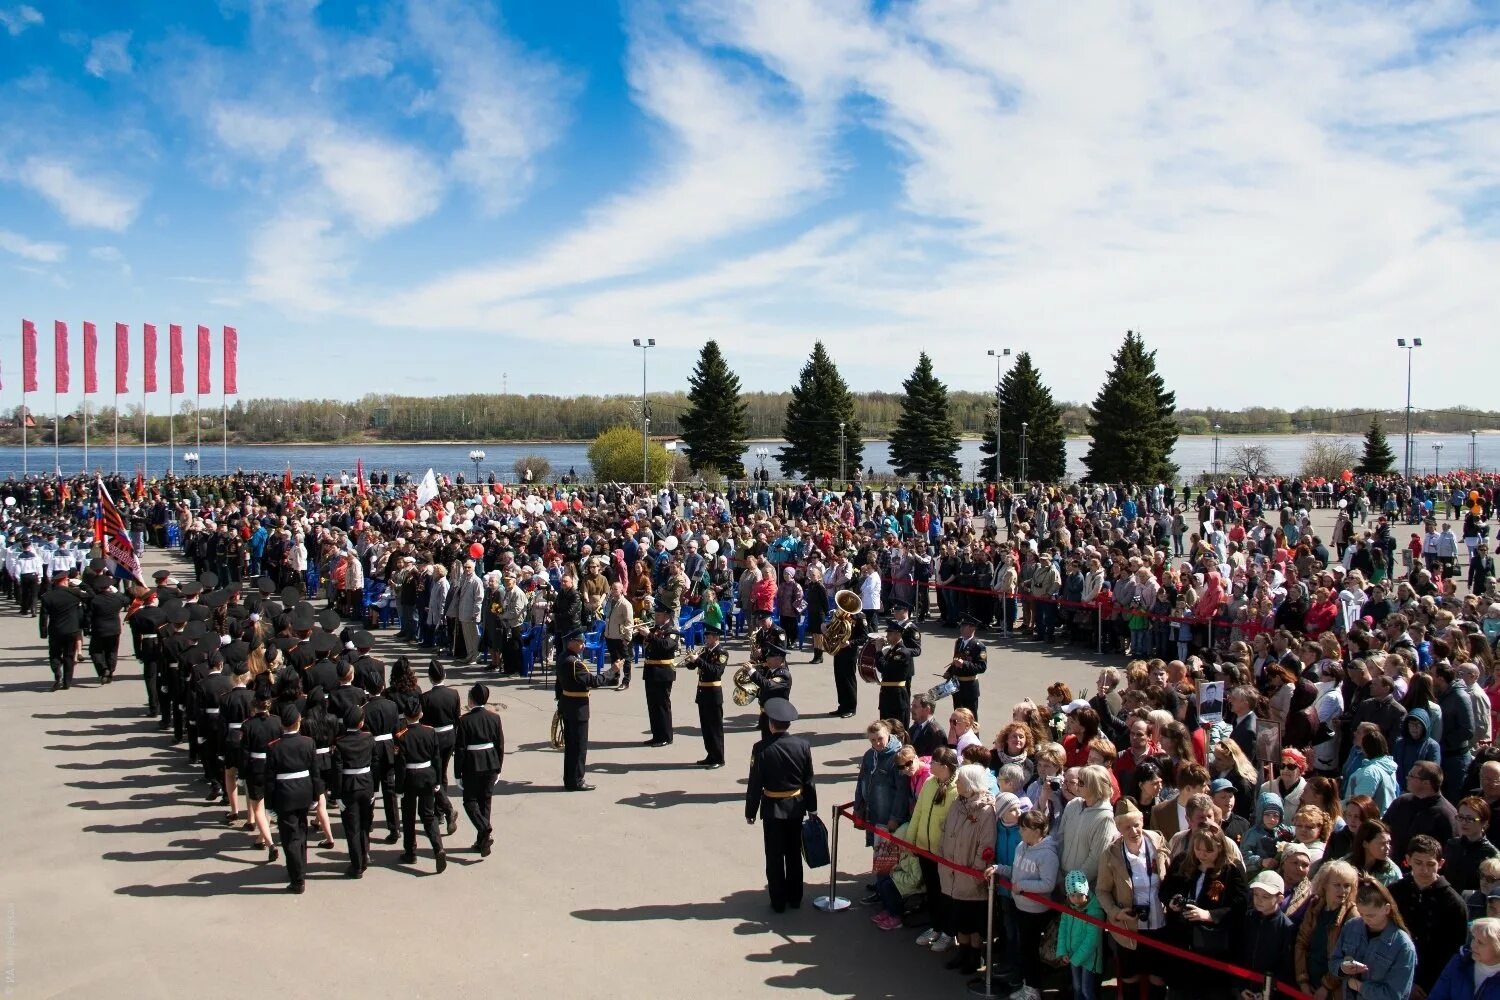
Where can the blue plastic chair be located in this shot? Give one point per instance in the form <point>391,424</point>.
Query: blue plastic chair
<point>312,583</point>
<point>174,535</point>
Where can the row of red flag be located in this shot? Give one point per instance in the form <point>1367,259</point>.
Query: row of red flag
<point>229,356</point>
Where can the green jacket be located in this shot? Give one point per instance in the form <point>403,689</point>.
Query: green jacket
<point>907,875</point>
<point>1082,942</point>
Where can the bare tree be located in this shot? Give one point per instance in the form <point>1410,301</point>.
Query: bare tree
<point>1251,461</point>
<point>1326,458</point>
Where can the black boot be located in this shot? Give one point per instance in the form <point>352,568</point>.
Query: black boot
<point>960,958</point>
<point>972,962</point>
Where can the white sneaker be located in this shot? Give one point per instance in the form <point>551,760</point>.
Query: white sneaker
<point>942,943</point>
<point>1026,993</point>
<point>927,937</point>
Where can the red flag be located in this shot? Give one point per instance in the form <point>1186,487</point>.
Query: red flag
<point>122,358</point>
<point>148,359</point>
<point>286,480</point>
<point>110,529</point>
<point>231,361</point>
<point>140,485</point>
<point>90,358</point>
<point>359,474</point>
<point>28,356</point>
<point>60,355</point>
<point>174,359</point>
<point>204,375</point>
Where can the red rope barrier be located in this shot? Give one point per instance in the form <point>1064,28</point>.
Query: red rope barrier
<point>1212,963</point>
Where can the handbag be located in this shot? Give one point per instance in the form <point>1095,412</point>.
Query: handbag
<point>886,856</point>
<point>1049,944</point>
<point>814,842</point>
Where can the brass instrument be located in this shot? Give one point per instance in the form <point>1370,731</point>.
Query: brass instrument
<point>557,730</point>
<point>840,627</point>
<point>745,690</point>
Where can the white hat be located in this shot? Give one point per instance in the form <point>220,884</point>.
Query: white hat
<point>1270,882</point>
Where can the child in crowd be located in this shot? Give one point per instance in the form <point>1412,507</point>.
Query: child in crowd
<point>1081,941</point>
<point>1268,935</point>
<point>1262,844</point>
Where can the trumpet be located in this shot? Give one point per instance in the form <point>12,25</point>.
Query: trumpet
<point>745,690</point>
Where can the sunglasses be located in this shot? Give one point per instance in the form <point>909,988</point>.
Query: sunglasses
<point>1467,819</point>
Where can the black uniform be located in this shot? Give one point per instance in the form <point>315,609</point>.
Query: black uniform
<point>345,697</point>
<point>770,682</point>
<point>212,690</point>
<point>441,708</point>
<point>292,769</point>
<point>235,710</point>
<point>174,643</point>
<point>768,636</point>
<point>846,663</point>
<point>659,671</point>
<point>781,792</point>
<point>62,624</point>
<point>353,753</point>
<point>420,756</point>
<point>145,626</point>
<point>258,733</point>
<point>381,722</point>
<point>895,666</point>
<point>479,752</point>
<point>368,668</point>
<point>710,664</point>
<point>972,652</point>
<point>104,632</point>
<point>575,681</point>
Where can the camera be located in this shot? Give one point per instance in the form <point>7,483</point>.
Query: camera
<point>1143,914</point>
<point>1178,902</point>
<point>1055,782</point>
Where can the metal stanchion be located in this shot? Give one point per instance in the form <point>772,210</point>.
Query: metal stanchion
<point>1210,632</point>
<point>985,985</point>
<point>1268,988</point>
<point>1099,628</point>
<point>833,902</point>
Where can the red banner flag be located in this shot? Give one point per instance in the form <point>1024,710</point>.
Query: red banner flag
<point>148,359</point>
<point>231,361</point>
<point>28,356</point>
<point>60,355</point>
<point>286,480</point>
<point>111,530</point>
<point>359,475</point>
<point>205,379</point>
<point>122,358</point>
<point>174,358</point>
<point>90,358</point>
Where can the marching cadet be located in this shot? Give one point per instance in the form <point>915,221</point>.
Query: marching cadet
<point>213,687</point>
<point>773,681</point>
<point>421,756</point>
<point>659,671</point>
<point>710,664</point>
<point>440,710</point>
<point>575,682</point>
<point>781,793</point>
<point>382,719</point>
<point>259,732</point>
<point>365,665</point>
<point>969,661</point>
<point>478,754</point>
<point>174,642</point>
<point>61,625</point>
<point>347,695</point>
<point>146,623</point>
<point>894,663</point>
<point>29,573</point>
<point>291,766</point>
<point>766,635</point>
<point>238,706</point>
<point>105,605</point>
<point>353,752</point>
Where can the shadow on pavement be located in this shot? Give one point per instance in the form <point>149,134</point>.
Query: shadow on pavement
<point>663,800</point>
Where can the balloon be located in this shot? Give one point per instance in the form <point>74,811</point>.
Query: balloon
<point>10,501</point>
<point>317,487</point>
<point>410,515</point>
<point>516,504</point>
<point>425,514</point>
<point>448,506</point>
<point>489,499</point>
<point>1474,495</point>
<point>671,543</point>
<point>1343,504</point>
<point>476,551</point>
<point>711,546</point>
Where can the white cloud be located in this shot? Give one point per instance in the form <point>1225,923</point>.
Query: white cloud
<point>379,184</point>
<point>295,259</point>
<point>113,256</point>
<point>110,54</point>
<point>83,201</point>
<point>42,253</point>
<point>509,105</point>
<point>17,19</point>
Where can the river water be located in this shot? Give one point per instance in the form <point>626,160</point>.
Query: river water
<point>1192,455</point>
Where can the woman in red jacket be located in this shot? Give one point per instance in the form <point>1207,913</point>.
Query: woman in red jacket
<point>1321,615</point>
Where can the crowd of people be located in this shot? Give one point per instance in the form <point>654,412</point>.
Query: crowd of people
<point>1287,763</point>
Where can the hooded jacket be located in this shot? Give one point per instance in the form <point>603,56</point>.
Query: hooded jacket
<point>1438,921</point>
<point>1260,842</point>
<point>1457,981</point>
<point>1375,778</point>
<point>1408,751</point>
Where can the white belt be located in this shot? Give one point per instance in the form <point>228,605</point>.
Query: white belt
<point>257,756</point>
<point>358,770</point>
<point>210,711</point>
<point>442,729</point>
<point>292,775</point>
<point>235,725</point>
<point>482,746</point>
<point>384,737</point>
<point>324,749</point>
<point>417,767</point>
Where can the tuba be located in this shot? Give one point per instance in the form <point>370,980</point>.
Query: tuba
<point>745,690</point>
<point>557,730</point>
<point>840,627</point>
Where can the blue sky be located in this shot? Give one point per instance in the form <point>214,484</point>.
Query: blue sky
<point>418,197</point>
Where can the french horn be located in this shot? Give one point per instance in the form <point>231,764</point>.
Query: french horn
<point>745,690</point>
<point>557,730</point>
<point>840,627</point>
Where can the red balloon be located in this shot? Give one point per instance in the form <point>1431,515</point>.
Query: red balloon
<point>410,515</point>
<point>317,488</point>
<point>476,551</point>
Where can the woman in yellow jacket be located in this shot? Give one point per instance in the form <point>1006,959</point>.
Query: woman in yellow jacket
<point>926,831</point>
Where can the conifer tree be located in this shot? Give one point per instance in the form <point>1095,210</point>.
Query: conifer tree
<point>1025,399</point>
<point>1378,455</point>
<point>820,402</point>
<point>1131,421</point>
<point>923,443</point>
<point>715,425</point>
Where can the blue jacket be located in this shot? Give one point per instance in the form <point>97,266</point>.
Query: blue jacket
<point>1457,981</point>
<point>1408,751</point>
<point>882,794</point>
<point>1390,956</point>
<point>1006,840</point>
<point>1260,842</point>
<point>1377,779</point>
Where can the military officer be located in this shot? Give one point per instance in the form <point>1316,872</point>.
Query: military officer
<point>382,719</point>
<point>969,661</point>
<point>420,757</point>
<point>910,637</point>
<point>575,682</point>
<point>662,645</point>
<point>478,754</point>
<point>291,766</point>
<point>710,664</point>
<point>895,665</point>
<point>105,605</point>
<point>773,680</point>
<point>781,793</point>
<point>353,754</point>
<point>441,708</point>
<point>61,625</point>
<point>766,635</point>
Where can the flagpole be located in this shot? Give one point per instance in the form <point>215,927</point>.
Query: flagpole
<point>145,430</point>
<point>198,419</point>
<point>56,432</point>
<point>85,432</point>
<point>117,429</point>
<point>25,467</point>
<point>224,396</point>
<point>171,431</point>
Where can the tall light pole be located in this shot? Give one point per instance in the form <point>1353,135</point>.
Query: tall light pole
<point>1473,450</point>
<point>476,456</point>
<point>760,456</point>
<point>1437,456</point>
<point>1216,451</point>
<point>649,343</point>
<point>999,356</point>
<point>1024,425</point>
<point>841,452</point>
<point>1416,342</point>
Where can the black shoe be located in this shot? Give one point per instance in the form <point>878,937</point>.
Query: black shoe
<point>106,679</point>
<point>296,888</point>
<point>960,958</point>
<point>442,862</point>
<point>972,962</point>
<point>408,859</point>
<point>779,907</point>
<point>452,823</point>
<point>871,899</point>
<point>486,847</point>
<point>846,715</point>
<point>716,765</point>
<point>354,871</point>
<point>391,837</point>
<point>57,685</point>
<point>658,743</point>
<point>272,854</point>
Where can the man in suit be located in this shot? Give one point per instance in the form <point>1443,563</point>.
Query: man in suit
<point>1170,818</point>
<point>781,793</point>
<point>465,606</point>
<point>62,625</point>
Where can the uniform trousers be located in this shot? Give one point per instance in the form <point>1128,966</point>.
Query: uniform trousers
<point>711,721</point>
<point>846,680</point>
<point>479,789</point>
<point>291,826</point>
<point>420,802</point>
<point>358,815</point>
<point>575,749</point>
<point>104,650</point>
<point>783,841</point>
<point>62,656</point>
<point>659,709</point>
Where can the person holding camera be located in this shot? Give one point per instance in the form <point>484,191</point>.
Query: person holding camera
<point>1374,958</point>
<point>1204,894</point>
<point>1130,877</point>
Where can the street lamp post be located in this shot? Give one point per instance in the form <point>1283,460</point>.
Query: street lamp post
<point>1216,451</point>
<point>999,357</point>
<point>841,453</point>
<point>1416,342</point>
<point>760,457</point>
<point>190,458</point>
<point>476,456</point>
<point>1437,456</point>
<point>1024,425</point>
<point>645,345</point>
<point>1473,451</point>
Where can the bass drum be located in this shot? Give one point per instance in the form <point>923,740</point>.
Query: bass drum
<point>869,656</point>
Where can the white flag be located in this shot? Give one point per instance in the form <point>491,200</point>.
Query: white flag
<point>427,490</point>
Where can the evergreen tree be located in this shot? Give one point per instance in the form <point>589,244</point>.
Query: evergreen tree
<point>820,402</point>
<point>1378,455</point>
<point>1025,399</point>
<point>1131,421</point>
<point>923,442</point>
<point>715,425</point>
